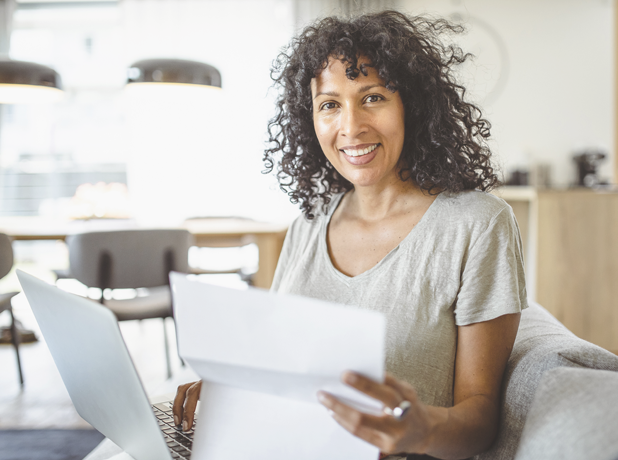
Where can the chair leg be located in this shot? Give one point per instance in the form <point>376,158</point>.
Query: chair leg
<point>167,351</point>
<point>15,340</point>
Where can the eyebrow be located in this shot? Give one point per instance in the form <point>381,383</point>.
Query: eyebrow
<point>361,90</point>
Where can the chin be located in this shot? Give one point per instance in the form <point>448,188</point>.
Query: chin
<point>362,182</point>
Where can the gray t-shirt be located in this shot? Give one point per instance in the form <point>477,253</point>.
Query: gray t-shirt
<point>461,264</point>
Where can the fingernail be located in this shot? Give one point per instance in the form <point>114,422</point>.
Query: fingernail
<point>349,377</point>
<point>185,426</point>
<point>330,412</point>
<point>176,420</point>
<point>321,397</point>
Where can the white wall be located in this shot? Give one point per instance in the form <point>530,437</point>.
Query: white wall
<point>200,153</point>
<point>190,153</point>
<point>559,92</point>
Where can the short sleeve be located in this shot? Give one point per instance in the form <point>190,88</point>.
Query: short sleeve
<point>492,278</point>
<point>291,244</point>
<point>284,259</point>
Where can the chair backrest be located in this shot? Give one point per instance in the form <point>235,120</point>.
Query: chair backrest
<point>128,258</point>
<point>6,255</point>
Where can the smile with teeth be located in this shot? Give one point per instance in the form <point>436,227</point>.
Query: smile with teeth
<point>360,152</point>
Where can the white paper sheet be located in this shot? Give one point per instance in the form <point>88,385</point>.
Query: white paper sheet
<point>263,357</point>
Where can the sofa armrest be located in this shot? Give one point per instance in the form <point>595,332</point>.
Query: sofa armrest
<point>574,415</point>
<point>542,344</point>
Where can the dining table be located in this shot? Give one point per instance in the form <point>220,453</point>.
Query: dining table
<point>207,232</point>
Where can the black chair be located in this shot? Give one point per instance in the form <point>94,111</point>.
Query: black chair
<point>132,259</point>
<point>6,263</point>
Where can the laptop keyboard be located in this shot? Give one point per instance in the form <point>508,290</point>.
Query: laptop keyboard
<point>178,441</point>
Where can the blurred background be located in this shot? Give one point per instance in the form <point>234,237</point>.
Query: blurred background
<point>543,73</point>
<point>171,148</point>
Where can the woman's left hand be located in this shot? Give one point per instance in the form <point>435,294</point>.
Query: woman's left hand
<point>410,434</point>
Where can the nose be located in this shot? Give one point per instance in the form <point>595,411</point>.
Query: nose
<point>353,122</point>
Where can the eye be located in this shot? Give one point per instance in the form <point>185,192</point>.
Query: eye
<point>328,106</point>
<point>374,98</point>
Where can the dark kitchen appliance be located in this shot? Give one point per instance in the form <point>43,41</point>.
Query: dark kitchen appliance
<point>587,164</point>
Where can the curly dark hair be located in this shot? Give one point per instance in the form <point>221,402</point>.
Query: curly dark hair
<point>445,145</point>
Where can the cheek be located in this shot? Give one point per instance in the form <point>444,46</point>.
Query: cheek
<point>323,132</point>
<point>397,129</point>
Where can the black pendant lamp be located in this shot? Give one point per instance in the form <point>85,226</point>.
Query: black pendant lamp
<point>27,82</point>
<point>173,71</point>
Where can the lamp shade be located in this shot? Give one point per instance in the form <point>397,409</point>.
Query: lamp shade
<point>25,82</point>
<point>170,71</point>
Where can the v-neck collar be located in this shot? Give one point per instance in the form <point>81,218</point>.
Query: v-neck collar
<point>409,238</point>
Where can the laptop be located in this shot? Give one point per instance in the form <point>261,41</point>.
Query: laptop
<point>261,358</point>
<point>92,358</point>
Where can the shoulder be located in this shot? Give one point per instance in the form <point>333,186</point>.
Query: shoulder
<point>472,215</point>
<point>474,206</point>
<point>305,229</point>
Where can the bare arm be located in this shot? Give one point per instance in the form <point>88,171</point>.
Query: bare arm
<point>461,431</point>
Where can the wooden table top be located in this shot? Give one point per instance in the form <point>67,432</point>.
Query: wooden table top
<point>42,228</point>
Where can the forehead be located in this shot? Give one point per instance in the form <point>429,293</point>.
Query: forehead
<point>333,77</point>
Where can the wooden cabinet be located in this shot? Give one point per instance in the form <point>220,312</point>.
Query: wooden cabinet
<point>571,245</point>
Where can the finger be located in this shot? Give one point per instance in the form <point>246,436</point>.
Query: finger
<point>380,431</point>
<point>352,419</point>
<point>179,402</point>
<point>375,437</point>
<point>388,394</point>
<point>406,390</point>
<point>193,396</point>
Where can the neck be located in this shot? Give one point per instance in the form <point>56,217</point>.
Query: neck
<point>377,202</point>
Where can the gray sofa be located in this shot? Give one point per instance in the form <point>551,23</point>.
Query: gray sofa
<point>560,396</point>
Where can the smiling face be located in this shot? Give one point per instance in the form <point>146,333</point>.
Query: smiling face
<point>359,124</point>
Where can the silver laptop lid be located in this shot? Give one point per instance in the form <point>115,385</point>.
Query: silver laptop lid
<point>87,346</point>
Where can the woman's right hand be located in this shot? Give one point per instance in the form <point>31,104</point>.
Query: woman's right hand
<point>185,402</point>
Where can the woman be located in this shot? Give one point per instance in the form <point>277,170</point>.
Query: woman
<point>373,138</point>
